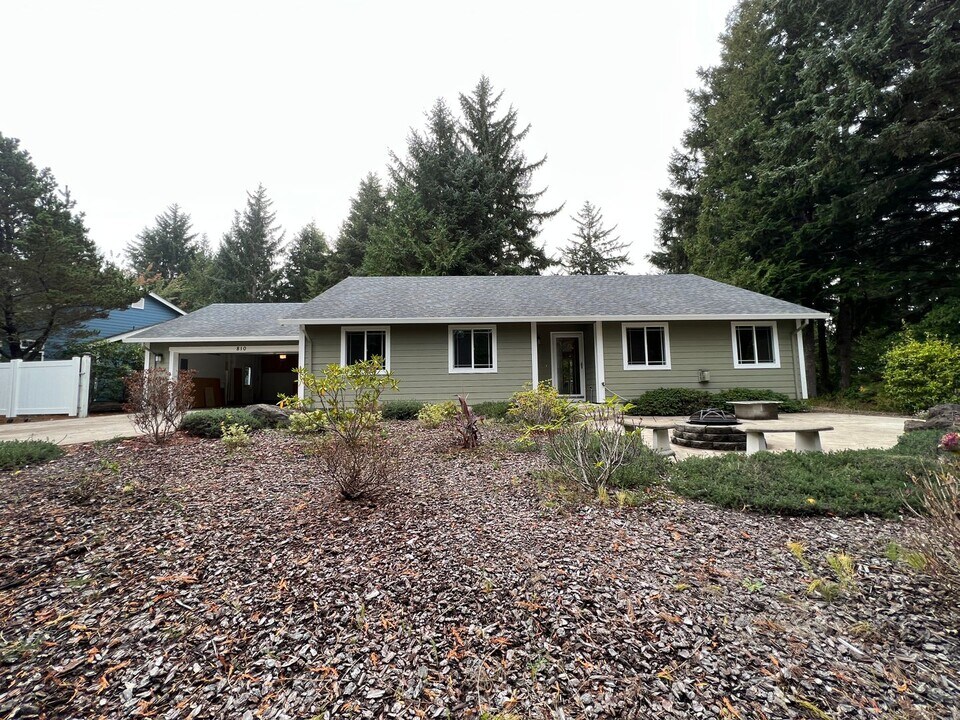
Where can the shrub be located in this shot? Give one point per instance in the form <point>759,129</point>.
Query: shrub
<point>349,396</point>
<point>401,409</point>
<point>234,436</point>
<point>19,453</point>
<point>541,407</point>
<point>209,423</point>
<point>492,409</point>
<point>918,374</point>
<point>841,483</point>
<point>671,401</point>
<point>787,404</point>
<point>110,363</point>
<point>590,452</point>
<point>686,401</point>
<point>158,402</point>
<point>433,416</point>
<point>645,468</point>
<point>937,539</point>
<point>307,421</point>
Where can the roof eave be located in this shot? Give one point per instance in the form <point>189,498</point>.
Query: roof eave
<point>214,339</point>
<point>806,315</point>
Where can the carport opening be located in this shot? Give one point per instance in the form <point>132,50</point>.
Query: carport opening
<point>238,379</point>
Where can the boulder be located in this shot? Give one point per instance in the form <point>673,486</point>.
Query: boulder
<point>944,417</point>
<point>269,415</point>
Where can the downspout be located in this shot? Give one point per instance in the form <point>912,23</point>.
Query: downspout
<point>798,334</point>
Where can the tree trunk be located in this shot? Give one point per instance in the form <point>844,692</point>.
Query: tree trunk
<point>824,356</point>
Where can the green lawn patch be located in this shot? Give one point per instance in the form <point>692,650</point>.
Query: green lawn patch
<point>19,453</point>
<point>850,482</point>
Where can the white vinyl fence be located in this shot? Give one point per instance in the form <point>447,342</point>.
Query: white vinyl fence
<point>50,387</point>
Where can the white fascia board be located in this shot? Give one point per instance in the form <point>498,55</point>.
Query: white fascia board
<point>551,319</point>
<point>214,340</point>
<point>167,303</point>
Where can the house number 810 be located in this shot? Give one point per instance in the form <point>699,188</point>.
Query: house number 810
<point>241,348</point>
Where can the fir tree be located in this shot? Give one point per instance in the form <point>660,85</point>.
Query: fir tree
<point>368,209</point>
<point>304,271</point>
<point>592,250</point>
<point>167,249</point>
<point>245,266</point>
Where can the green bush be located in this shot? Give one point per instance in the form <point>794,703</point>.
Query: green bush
<point>234,436</point>
<point>401,409</point>
<point>18,453</point>
<point>208,423</point>
<point>646,468</point>
<point>492,409</point>
<point>671,401</point>
<point>787,404</point>
<point>541,407</point>
<point>433,416</point>
<point>850,482</point>
<point>686,401</point>
<point>307,421</point>
<point>919,374</point>
<point>918,443</point>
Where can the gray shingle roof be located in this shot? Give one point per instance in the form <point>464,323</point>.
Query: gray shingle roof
<point>532,297</point>
<point>226,320</point>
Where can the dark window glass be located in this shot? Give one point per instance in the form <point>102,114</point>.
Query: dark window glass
<point>355,346</point>
<point>377,345</point>
<point>462,352</point>
<point>636,354</point>
<point>765,344</point>
<point>745,344</point>
<point>656,346</point>
<point>483,349</point>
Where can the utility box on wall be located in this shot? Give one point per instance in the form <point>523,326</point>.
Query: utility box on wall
<point>704,376</point>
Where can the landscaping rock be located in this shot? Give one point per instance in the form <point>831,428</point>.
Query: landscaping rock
<point>270,415</point>
<point>944,417</point>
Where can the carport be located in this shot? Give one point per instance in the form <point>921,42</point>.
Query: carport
<point>239,352</point>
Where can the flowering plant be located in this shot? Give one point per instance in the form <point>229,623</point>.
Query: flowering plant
<point>950,442</point>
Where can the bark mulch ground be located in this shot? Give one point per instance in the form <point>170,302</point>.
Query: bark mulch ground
<point>184,582</point>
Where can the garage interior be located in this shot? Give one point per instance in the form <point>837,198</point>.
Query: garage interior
<point>238,379</point>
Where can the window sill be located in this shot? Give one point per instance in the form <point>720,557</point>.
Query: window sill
<point>471,371</point>
<point>646,367</point>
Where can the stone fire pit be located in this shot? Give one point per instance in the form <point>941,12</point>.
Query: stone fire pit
<point>711,429</point>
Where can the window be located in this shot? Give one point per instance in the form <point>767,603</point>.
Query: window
<point>646,347</point>
<point>473,349</point>
<point>359,344</point>
<point>755,345</point>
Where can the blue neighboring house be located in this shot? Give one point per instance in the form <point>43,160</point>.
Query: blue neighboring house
<point>149,310</point>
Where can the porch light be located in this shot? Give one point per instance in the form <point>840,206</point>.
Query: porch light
<point>283,356</point>
<point>158,358</point>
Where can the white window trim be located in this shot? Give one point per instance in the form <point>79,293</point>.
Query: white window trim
<point>357,328</point>
<point>666,345</point>
<point>756,365</point>
<point>470,370</point>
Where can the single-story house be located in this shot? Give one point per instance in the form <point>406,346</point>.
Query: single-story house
<point>240,352</point>
<point>591,336</point>
<point>117,324</point>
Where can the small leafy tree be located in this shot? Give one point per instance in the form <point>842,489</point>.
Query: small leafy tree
<point>158,402</point>
<point>921,373</point>
<point>349,397</point>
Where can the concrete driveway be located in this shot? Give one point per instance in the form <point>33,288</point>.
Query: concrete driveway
<point>70,431</point>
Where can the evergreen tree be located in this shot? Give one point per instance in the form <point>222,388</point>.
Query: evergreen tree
<point>245,266</point>
<point>506,228</point>
<point>193,289</point>
<point>53,275</point>
<point>591,250</point>
<point>304,273</point>
<point>166,249</point>
<point>368,209</point>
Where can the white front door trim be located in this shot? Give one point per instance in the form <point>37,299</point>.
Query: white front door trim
<point>555,366</point>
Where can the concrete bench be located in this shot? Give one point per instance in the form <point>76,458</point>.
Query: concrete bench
<point>661,432</point>
<point>807,436</point>
<point>755,409</point>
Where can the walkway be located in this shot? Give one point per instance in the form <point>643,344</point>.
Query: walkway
<point>70,431</point>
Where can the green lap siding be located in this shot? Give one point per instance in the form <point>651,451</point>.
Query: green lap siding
<point>419,359</point>
<point>694,346</point>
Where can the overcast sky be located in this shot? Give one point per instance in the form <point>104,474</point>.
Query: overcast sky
<point>136,107</point>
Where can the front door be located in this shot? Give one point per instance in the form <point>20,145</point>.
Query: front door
<point>568,363</point>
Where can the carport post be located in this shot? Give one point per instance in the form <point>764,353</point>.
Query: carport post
<point>14,388</point>
<point>83,401</point>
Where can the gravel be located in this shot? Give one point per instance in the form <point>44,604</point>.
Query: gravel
<point>186,582</point>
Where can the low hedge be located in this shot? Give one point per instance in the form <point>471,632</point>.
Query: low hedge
<point>492,409</point>
<point>686,401</point>
<point>20,453</point>
<point>851,482</point>
<point>206,423</point>
<point>401,409</point>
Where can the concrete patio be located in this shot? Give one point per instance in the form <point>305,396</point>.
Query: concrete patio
<point>70,431</point>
